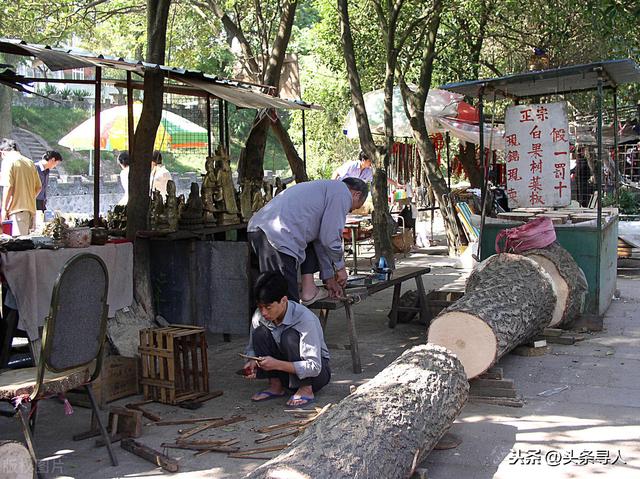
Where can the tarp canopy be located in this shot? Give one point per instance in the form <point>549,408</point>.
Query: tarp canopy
<point>444,112</point>
<point>239,93</point>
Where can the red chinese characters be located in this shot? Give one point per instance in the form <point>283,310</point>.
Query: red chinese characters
<point>536,150</point>
<point>513,155</point>
<point>536,166</point>
<point>512,175</point>
<point>512,140</point>
<point>559,170</point>
<point>559,134</point>
<point>525,115</point>
<point>559,187</point>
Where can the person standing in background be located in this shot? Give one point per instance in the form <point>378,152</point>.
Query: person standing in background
<point>160,176</point>
<point>21,184</point>
<point>360,168</point>
<point>123,161</point>
<point>50,160</point>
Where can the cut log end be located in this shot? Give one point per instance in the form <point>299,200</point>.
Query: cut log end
<point>560,287</point>
<point>15,461</point>
<point>468,337</point>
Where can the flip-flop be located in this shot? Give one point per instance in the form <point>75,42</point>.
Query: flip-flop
<point>307,400</point>
<point>269,395</point>
<point>322,293</point>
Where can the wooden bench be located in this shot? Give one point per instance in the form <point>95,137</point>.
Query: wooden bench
<point>400,275</point>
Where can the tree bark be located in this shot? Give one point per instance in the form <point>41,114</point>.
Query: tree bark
<point>414,103</point>
<point>570,283</point>
<point>142,151</point>
<point>295,162</point>
<point>420,394</point>
<point>380,218</point>
<point>6,124</point>
<point>508,300</point>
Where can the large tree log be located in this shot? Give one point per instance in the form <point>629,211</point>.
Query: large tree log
<point>569,282</point>
<point>508,300</point>
<point>377,431</point>
<point>15,461</point>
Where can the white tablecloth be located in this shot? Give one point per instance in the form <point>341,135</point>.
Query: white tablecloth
<point>31,275</point>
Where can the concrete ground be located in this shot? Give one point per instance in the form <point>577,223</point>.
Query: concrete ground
<point>597,418</point>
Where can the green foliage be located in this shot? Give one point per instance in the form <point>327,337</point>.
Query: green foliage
<point>51,123</point>
<point>628,202</point>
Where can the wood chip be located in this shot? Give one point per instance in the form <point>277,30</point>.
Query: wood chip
<point>177,422</point>
<point>212,424</point>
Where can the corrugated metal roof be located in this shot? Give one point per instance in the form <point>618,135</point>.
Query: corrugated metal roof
<point>236,92</point>
<point>568,79</point>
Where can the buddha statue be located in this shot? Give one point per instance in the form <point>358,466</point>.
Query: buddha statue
<point>192,214</point>
<point>171,206</point>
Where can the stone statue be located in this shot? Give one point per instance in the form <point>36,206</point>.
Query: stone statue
<point>245,200</point>
<point>171,206</point>
<point>268,191</point>
<point>191,216</point>
<point>211,192</point>
<point>228,209</point>
<point>157,216</point>
<point>257,200</point>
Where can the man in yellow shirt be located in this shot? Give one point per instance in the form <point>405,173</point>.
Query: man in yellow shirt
<point>21,184</point>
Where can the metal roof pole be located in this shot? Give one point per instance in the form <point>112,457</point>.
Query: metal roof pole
<point>599,189</point>
<point>220,123</point>
<point>483,196</point>
<point>447,140</point>
<point>208,125</point>
<point>304,142</point>
<point>615,145</point>
<point>226,127</point>
<point>130,127</point>
<point>96,147</point>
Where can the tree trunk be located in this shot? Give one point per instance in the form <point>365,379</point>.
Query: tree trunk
<point>142,151</point>
<point>381,229</point>
<point>508,300</point>
<point>569,282</point>
<point>381,218</point>
<point>377,431</point>
<point>251,166</point>
<point>295,162</point>
<point>15,461</point>
<point>6,124</point>
<point>469,163</point>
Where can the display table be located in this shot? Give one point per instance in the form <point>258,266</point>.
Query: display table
<point>31,275</point>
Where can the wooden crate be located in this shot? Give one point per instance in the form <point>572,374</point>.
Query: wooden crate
<point>174,363</point>
<point>119,378</point>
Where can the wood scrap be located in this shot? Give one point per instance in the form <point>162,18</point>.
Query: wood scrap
<point>177,422</point>
<point>138,407</point>
<point>273,437</point>
<point>208,425</point>
<point>228,443</point>
<point>249,452</point>
<point>145,452</point>
<point>195,447</point>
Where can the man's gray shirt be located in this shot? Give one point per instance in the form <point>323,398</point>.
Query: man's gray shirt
<point>307,324</point>
<point>313,212</point>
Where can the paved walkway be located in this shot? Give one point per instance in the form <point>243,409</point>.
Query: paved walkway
<point>598,414</point>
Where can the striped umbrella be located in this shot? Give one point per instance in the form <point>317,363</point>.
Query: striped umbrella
<point>174,131</point>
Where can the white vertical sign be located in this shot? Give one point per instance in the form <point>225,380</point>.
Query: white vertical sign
<point>537,155</point>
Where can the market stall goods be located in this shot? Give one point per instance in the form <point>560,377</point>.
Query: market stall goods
<point>385,427</point>
<point>508,300</point>
<point>570,283</point>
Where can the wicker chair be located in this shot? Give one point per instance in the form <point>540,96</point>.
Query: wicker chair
<point>72,342</point>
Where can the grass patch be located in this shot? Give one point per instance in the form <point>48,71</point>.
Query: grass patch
<point>51,123</point>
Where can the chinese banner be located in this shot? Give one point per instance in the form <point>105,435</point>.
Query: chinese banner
<point>537,155</point>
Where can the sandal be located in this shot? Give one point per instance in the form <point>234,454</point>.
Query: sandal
<point>306,400</point>
<point>321,294</point>
<point>268,396</point>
